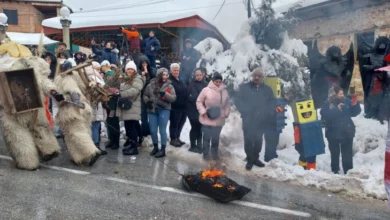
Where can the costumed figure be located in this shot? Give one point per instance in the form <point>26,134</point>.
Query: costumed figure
<point>272,135</point>
<point>75,116</point>
<point>333,69</point>
<point>27,134</point>
<point>309,141</point>
<point>371,58</point>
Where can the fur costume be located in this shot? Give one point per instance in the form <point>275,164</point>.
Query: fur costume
<point>28,145</point>
<point>75,122</point>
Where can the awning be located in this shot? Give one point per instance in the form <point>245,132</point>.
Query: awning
<point>29,38</point>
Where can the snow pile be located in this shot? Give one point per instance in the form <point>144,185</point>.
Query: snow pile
<point>365,180</point>
<point>245,55</point>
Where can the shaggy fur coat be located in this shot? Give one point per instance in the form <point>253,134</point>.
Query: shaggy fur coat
<point>28,146</point>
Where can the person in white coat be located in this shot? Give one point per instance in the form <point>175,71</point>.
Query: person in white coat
<point>98,112</point>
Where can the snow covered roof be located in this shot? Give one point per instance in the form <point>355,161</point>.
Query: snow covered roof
<point>29,38</point>
<point>44,1</point>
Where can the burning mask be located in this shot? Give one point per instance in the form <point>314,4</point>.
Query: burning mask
<point>304,111</point>
<point>214,184</point>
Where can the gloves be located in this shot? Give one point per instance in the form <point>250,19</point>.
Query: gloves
<point>162,93</point>
<point>58,97</point>
<point>149,104</point>
<point>279,109</point>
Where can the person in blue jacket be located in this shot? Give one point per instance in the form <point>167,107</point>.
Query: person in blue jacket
<point>152,46</point>
<point>106,53</point>
<point>337,112</point>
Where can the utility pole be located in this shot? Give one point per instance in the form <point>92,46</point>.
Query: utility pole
<point>249,9</point>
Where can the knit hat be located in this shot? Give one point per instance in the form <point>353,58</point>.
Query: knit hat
<point>161,70</point>
<point>131,65</point>
<point>105,63</point>
<point>96,65</point>
<point>217,76</point>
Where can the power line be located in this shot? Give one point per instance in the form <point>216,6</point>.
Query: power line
<point>126,6</point>
<point>85,16</point>
<point>220,9</point>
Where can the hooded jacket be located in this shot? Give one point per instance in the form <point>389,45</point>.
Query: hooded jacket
<point>151,71</point>
<point>106,54</point>
<point>132,91</point>
<point>53,64</point>
<point>81,60</point>
<point>150,95</point>
<point>181,93</point>
<point>213,96</point>
<point>194,89</point>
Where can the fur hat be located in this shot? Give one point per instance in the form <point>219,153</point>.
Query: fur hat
<point>105,63</point>
<point>96,65</point>
<point>131,65</point>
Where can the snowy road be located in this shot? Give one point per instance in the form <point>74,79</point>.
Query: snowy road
<point>147,189</point>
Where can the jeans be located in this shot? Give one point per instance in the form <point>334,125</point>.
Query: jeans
<point>271,143</point>
<point>196,133</point>
<point>152,60</point>
<point>131,131</point>
<point>145,122</point>
<point>96,125</point>
<point>113,129</point>
<point>211,134</point>
<point>345,147</point>
<point>253,141</point>
<point>158,120</point>
<point>178,119</point>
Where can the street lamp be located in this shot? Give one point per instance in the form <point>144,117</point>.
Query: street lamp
<point>3,26</point>
<point>65,22</point>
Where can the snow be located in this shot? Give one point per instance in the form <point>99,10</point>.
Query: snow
<point>364,181</point>
<point>29,38</point>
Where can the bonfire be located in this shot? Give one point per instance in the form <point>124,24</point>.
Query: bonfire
<point>215,184</point>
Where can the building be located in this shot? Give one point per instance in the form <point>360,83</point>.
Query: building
<point>340,22</point>
<point>26,16</point>
<point>171,27</point>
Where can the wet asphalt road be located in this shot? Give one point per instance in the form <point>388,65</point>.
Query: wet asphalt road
<point>116,189</point>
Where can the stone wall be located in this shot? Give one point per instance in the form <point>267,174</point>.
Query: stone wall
<point>340,30</point>
<point>29,18</point>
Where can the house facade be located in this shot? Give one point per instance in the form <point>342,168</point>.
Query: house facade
<point>26,16</point>
<point>340,22</point>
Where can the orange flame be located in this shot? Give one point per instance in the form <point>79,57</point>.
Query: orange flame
<point>217,185</point>
<point>212,173</point>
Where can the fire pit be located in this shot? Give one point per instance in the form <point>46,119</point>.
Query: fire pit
<point>215,184</point>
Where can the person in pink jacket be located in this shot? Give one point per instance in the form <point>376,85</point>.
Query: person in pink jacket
<point>213,105</point>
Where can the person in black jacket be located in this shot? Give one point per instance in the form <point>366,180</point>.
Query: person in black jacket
<point>256,103</point>
<point>178,112</point>
<point>337,112</point>
<point>194,88</point>
<point>79,58</point>
<point>189,58</point>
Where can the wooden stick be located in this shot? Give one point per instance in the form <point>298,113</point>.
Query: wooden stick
<point>76,68</point>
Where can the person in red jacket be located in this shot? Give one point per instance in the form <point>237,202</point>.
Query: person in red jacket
<point>134,39</point>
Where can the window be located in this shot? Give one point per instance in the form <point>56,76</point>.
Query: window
<point>12,16</point>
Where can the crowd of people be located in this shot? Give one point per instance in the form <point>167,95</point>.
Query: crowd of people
<point>150,97</point>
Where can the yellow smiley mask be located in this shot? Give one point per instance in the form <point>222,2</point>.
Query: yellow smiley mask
<point>304,111</point>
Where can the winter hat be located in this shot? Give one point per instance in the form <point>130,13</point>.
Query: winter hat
<point>217,76</point>
<point>72,62</point>
<point>105,63</point>
<point>161,70</point>
<point>188,40</point>
<point>96,65</point>
<point>131,65</point>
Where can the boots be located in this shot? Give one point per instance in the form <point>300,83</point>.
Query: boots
<point>102,152</point>
<point>132,150</point>
<point>161,153</point>
<point>176,143</point>
<point>140,141</point>
<point>193,147</point>
<point>199,145</point>
<point>94,159</point>
<point>155,150</point>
